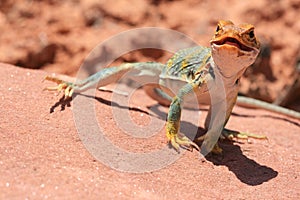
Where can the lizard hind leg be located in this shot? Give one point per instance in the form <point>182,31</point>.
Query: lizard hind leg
<point>65,86</point>
<point>226,134</point>
<point>231,135</point>
<point>142,72</point>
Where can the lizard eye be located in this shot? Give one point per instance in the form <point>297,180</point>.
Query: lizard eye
<point>251,34</point>
<point>218,29</point>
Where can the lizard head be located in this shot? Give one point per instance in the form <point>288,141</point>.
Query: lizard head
<point>234,48</point>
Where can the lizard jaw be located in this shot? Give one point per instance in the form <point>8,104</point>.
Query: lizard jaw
<point>232,42</point>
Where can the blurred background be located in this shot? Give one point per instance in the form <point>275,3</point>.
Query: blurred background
<point>56,36</point>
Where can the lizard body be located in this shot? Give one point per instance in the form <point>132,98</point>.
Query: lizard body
<point>211,73</point>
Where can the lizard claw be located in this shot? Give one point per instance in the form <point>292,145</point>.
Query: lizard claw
<point>62,85</point>
<point>177,141</point>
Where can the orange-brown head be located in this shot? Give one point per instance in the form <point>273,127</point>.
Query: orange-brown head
<point>234,47</point>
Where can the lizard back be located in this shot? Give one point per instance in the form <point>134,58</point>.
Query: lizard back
<point>187,63</point>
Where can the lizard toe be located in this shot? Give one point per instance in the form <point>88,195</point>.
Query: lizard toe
<point>231,135</point>
<point>178,141</point>
<point>62,86</point>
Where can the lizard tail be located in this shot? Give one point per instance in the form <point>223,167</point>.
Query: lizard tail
<point>254,103</point>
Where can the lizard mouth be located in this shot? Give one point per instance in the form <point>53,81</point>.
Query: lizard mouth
<point>233,42</point>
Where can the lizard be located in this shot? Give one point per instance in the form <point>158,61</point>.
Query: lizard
<point>196,70</point>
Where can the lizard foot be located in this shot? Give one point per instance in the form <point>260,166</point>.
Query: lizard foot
<point>216,149</point>
<point>231,135</point>
<point>177,141</point>
<point>65,86</point>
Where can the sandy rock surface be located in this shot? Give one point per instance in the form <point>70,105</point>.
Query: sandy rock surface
<point>43,154</point>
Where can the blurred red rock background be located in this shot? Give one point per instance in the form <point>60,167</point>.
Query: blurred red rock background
<point>56,35</point>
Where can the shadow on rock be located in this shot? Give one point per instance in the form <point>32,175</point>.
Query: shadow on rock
<point>246,170</point>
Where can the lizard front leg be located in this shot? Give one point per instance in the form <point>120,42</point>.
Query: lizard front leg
<point>173,121</point>
<point>215,123</point>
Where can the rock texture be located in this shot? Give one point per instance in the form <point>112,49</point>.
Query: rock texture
<point>43,156</point>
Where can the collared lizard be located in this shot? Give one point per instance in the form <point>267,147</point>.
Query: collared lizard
<point>205,71</point>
